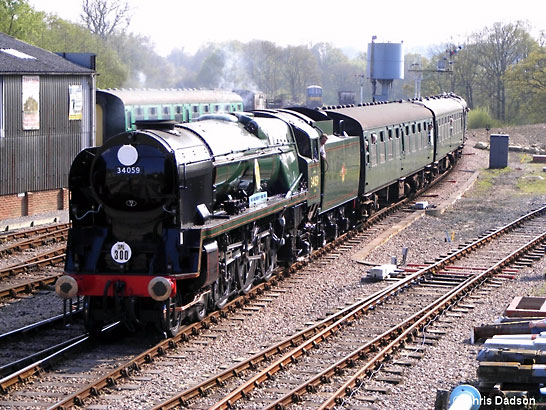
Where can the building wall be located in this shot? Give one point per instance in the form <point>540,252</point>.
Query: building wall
<point>39,160</point>
<point>33,203</point>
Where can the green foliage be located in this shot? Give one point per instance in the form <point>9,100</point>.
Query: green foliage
<point>527,80</point>
<point>486,180</point>
<point>480,118</point>
<point>534,182</point>
<point>61,35</point>
<point>18,19</point>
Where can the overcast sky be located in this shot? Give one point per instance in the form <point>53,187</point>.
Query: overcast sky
<point>420,24</point>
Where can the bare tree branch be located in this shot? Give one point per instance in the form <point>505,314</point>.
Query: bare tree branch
<point>105,17</point>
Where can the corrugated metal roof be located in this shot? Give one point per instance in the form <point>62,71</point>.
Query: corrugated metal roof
<point>18,57</point>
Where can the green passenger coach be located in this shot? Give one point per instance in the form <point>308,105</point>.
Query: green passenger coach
<point>119,109</point>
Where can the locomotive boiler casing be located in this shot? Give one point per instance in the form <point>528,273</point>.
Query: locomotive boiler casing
<point>249,155</point>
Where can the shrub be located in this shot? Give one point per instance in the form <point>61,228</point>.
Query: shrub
<point>480,118</point>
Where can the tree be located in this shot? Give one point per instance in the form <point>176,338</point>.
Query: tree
<point>18,19</point>
<point>211,69</point>
<point>466,73</point>
<point>105,17</point>
<point>261,59</point>
<point>146,69</point>
<point>337,72</point>
<point>497,48</point>
<point>62,35</point>
<point>300,70</point>
<point>527,79</point>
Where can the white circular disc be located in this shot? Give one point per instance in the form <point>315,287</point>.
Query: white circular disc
<point>121,252</point>
<point>127,155</point>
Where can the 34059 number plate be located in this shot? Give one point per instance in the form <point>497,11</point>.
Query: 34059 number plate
<point>128,170</point>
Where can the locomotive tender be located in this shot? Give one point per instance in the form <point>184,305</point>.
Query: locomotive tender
<point>172,220</point>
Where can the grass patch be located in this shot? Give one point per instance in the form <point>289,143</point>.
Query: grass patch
<point>534,180</point>
<point>486,180</point>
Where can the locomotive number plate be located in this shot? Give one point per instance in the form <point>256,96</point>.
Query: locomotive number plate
<point>128,170</point>
<point>121,252</point>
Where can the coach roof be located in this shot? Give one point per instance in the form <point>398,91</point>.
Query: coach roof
<point>18,57</point>
<point>380,115</point>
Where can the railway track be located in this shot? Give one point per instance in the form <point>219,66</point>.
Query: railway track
<point>23,276</point>
<point>328,362</point>
<point>345,242</point>
<point>33,280</point>
<point>22,347</point>
<point>39,237</point>
<point>434,279</point>
<point>30,233</point>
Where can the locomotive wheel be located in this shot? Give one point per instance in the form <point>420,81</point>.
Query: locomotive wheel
<point>245,275</point>
<point>269,261</point>
<point>93,326</point>
<point>221,289</point>
<point>171,319</point>
<point>198,312</point>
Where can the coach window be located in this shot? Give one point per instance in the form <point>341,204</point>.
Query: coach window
<point>128,117</point>
<point>206,108</point>
<point>167,111</point>
<point>139,113</point>
<point>178,113</point>
<point>216,108</point>
<point>390,145</point>
<point>152,111</point>
<point>373,149</point>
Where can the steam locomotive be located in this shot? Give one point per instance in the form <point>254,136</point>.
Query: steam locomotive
<point>172,220</point>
